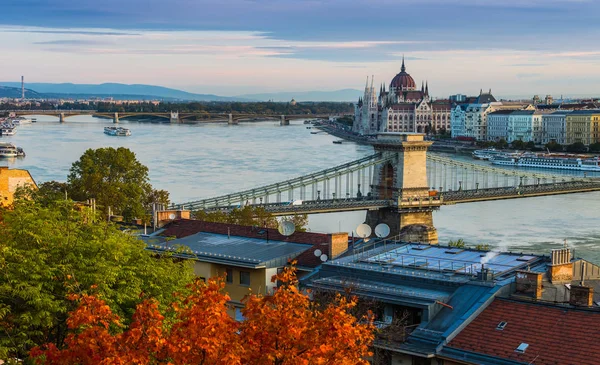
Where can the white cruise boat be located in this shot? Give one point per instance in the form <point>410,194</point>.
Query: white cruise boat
<point>486,154</point>
<point>8,150</point>
<point>117,131</point>
<point>549,161</point>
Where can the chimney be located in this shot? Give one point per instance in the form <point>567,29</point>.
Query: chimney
<point>339,244</point>
<point>581,296</point>
<point>561,267</point>
<point>529,283</point>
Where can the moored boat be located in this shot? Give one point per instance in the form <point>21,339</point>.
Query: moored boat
<point>549,161</point>
<point>8,150</point>
<point>486,154</point>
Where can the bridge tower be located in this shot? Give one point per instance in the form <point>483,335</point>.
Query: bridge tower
<point>61,117</point>
<point>404,179</point>
<point>174,117</point>
<point>230,120</point>
<point>116,118</point>
<point>284,121</point>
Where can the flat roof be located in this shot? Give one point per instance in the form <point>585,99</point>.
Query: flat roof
<point>234,250</point>
<point>433,261</point>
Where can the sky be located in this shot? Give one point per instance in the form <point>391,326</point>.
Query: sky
<point>234,47</point>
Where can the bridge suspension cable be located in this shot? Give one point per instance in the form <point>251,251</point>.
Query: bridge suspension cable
<point>344,181</point>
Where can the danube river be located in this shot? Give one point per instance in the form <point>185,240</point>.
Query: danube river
<point>194,161</point>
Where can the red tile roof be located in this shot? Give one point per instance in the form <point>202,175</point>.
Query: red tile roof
<point>187,227</point>
<point>555,335</point>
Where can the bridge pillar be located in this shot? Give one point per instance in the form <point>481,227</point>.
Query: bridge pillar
<point>174,117</point>
<point>61,117</point>
<point>404,180</point>
<point>230,120</point>
<point>116,118</point>
<point>284,121</point>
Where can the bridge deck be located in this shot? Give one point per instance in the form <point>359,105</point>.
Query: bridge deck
<point>468,196</point>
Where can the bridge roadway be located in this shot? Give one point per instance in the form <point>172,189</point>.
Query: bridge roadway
<point>177,117</point>
<point>445,198</point>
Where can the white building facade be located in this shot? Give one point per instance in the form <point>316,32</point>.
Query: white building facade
<point>554,127</point>
<point>497,125</point>
<point>525,125</point>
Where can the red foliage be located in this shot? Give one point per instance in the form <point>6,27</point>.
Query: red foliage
<point>284,328</point>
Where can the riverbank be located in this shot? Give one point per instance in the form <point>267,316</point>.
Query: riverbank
<point>438,146</point>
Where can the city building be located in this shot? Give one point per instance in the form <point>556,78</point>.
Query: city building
<point>437,304</point>
<point>402,108</point>
<point>554,126</point>
<point>10,181</point>
<point>248,256</point>
<point>497,125</point>
<point>525,125</point>
<point>582,126</point>
<point>469,119</point>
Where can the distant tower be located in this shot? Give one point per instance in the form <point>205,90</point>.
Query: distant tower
<point>22,87</point>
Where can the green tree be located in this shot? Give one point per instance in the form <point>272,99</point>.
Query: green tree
<point>115,178</point>
<point>576,147</point>
<point>553,146</point>
<point>48,252</point>
<point>530,145</point>
<point>594,147</point>
<point>252,216</point>
<point>518,144</point>
<point>501,144</point>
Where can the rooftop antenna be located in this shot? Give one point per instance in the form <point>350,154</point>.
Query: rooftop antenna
<point>382,230</point>
<point>364,231</point>
<point>286,228</point>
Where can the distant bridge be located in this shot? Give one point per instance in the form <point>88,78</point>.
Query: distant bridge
<point>173,117</point>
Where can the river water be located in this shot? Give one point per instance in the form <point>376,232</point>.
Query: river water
<point>194,161</point>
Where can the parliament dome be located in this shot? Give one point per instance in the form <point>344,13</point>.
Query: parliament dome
<point>403,81</point>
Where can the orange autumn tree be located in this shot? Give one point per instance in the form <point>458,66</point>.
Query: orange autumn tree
<point>284,328</point>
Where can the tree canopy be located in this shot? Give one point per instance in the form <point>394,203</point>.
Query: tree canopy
<point>282,328</point>
<point>117,180</point>
<point>252,216</point>
<point>49,251</point>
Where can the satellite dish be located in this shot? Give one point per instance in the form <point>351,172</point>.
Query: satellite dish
<point>363,230</point>
<point>172,216</point>
<point>382,230</point>
<point>323,257</point>
<point>286,228</point>
<point>318,252</point>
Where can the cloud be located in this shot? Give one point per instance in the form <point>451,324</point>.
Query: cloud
<point>73,42</point>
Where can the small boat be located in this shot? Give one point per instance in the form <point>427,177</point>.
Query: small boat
<point>21,120</point>
<point>308,127</point>
<point>117,131</point>
<point>314,132</point>
<point>8,150</point>
<point>8,131</point>
<point>337,142</point>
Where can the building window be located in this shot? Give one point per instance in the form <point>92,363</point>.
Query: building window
<point>229,277</point>
<point>244,278</point>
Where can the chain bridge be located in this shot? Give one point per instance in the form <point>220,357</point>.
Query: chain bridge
<point>401,184</point>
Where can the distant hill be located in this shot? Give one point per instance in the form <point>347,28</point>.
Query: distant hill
<point>14,92</point>
<point>137,91</point>
<point>349,95</point>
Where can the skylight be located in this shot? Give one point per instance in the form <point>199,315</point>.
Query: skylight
<point>501,325</point>
<point>522,347</point>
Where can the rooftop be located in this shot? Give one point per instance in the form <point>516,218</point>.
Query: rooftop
<point>554,335</point>
<point>234,250</point>
<point>444,262</point>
